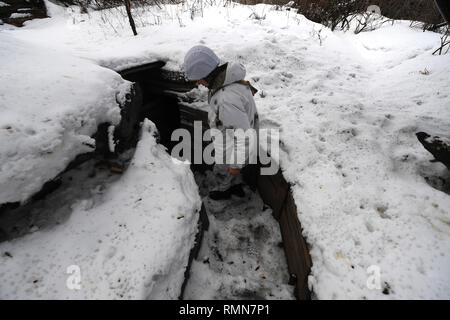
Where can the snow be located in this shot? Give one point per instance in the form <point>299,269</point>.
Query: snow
<point>3,4</point>
<point>347,106</point>
<point>111,143</point>
<point>126,242</point>
<point>51,104</point>
<point>359,170</point>
<point>240,257</point>
<point>18,15</point>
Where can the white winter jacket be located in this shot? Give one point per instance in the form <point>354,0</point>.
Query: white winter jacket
<point>233,107</point>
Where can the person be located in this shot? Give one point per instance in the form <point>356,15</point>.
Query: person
<point>231,106</point>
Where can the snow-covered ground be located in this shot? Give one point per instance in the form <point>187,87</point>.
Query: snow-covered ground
<point>347,106</point>
<point>122,241</point>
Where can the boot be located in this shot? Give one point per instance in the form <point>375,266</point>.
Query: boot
<point>237,190</point>
<point>220,195</point>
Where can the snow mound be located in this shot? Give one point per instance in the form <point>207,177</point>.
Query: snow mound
<point>134,244</point>
<point>51,104</point>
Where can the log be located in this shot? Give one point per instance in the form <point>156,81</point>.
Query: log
<point>438,148</point>
<point>295,248</point>
<point>152,66</point>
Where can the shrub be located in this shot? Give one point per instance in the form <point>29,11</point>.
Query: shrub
<point>335,14</point>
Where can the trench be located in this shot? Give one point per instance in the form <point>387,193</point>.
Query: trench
<point>246,248</point>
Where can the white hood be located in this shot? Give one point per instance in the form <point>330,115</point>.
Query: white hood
<point>235,72</point>
<point>233,106</point>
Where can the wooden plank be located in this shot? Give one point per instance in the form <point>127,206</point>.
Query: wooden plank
<point>194,115</point>
<point>203,225</point>
<point>176,86</point>
<point>142,68</point>
<point>189,115</point>
<point>273,190</point>
<point>291,211</point>
<point>293,254</point>
<point>296,250</point>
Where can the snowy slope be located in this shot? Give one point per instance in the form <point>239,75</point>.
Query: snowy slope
<point>360,171</point>
<point>347,106</point>
<point>130,244</point>
<point>51,104</point>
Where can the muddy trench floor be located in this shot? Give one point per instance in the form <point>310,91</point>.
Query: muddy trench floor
<point>241,256</point>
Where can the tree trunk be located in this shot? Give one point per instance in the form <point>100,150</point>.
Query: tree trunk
<point>130,17</point>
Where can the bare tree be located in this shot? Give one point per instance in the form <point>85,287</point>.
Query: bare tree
<point>130,17</point>
<point>445,42</point>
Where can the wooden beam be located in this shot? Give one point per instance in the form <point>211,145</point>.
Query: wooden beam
<point>296,250</point>
<point>273,190</point>
<point>142,68</point>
